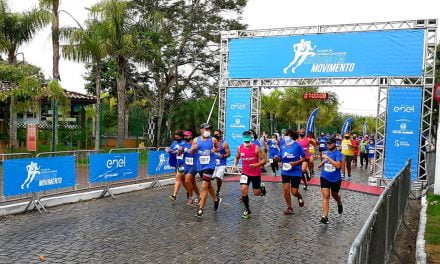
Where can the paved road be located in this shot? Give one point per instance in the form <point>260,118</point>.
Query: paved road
<point>142,227</point>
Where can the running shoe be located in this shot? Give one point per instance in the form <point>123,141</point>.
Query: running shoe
<point>263,189</point>
<point>172,198</point>
<point>246,215</point>
<point>305,187</point>
<point>349,177</point>
<point>340,209</point>
<point>300,202</point>
<point>312,173</point>
<point>190,201</point>
<point>343,176</point>
<point>308,176</point>
<point>197,200</point>
<point>324,220</point>
<point>199,213</point>
<point>288,211</point>
<point>274,174</point>
<point>218,194</point>
<point>217,204</point>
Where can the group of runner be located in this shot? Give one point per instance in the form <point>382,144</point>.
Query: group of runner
<point>291,153</point>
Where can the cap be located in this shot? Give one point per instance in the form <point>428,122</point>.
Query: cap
<point>187,133</point>
<point>331,140</point>
<point>247,133</point>
<point>205,125</point>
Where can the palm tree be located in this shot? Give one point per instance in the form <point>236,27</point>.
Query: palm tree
<point>121,45</point>
<point>269,106</point>
<point>189,114</point>
<point>88,45</point>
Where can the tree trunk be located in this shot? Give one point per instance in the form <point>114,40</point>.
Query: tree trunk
<point>11,57</point>
<point>55,58</point>
<point>121,100</point>
<point>12,126</point>
<point>98,107</point>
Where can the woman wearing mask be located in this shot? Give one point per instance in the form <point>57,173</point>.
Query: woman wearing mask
<point>312,149</point>
<point>176,160</point>
<point>274,153</point>
<point>190,169</point>
<point>305,144</point>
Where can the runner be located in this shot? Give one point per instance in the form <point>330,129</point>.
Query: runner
<point>274,153</point>
<point>347,155</point>
<point>355,143</point>
<point>220,161</point>
<point>205,146</point>
<point>330,178</point>
<point>364,153</point>
<point>176,160</point>
<point>252,159</point>
<point>292,158</point>
<point>190,169</point>
<point>255,138</point>
<point>305,143</point>
<point>338,142</point>
<point>322,140</point>
<point>371,149</point>
<point>312,147</point>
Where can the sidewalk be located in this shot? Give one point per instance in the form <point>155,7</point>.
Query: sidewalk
<point>142,227</point>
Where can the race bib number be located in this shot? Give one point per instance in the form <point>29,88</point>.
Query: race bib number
<point>328,167</point>
<point>204,160</point>
<point>189,161</point>
<point>371,151</point>
<point>217,162</point>
<point>244,179</point>
<point>287,166</point>
<point>344,147</point>
<point>270,160</point>
<point>322,145</point>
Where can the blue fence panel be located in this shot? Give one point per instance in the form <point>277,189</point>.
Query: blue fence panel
<point>113,167</point>
<point>21,176</point>
<point>158,163</point>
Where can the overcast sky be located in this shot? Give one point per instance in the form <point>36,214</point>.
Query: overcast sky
<point>258,14</point>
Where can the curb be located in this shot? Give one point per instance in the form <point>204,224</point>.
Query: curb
<point>420,244</point>
<point>78,197</point>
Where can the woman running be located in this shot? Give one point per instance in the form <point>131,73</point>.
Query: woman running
<point>305,143</point>
<point>274,153</point>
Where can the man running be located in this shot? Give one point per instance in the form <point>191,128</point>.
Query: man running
<point>274,153</point>
<point>322,141</point>
<point>305,143</point>
<point>292,158</point>
<point>190,169</point>
<point>330,178</point>
<point>355,144</point>
<point>252,159</point>
<point>205,146</point>
<point>347,152</point>
<point>176,160</point>
<point>363,152</point>
<point>220,161</point>
<point>371,149</point>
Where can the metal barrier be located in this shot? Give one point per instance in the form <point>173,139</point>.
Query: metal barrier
<point>430,167</point>
<point>375,240</point>
<point>9,156</point>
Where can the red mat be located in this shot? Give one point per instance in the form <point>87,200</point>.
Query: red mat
<point>346,185</point>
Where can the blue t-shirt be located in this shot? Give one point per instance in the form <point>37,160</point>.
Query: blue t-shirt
<point>221,161</point>
<point>273,148</point>
<point>329,172</point>
<point>188,158</point>
<point>291,153</point>
<point>370,150</point>
<point>256,142</point>
<point>322,143</point>
<point>282,142</point>
<point>176,160</point>
<point>206,159</point>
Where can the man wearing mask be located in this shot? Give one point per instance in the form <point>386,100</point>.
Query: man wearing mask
<point>220,161</point>
<point>205,146</point>
<point>190,169</point>
<point>322,141</point>
<point>330,178</point>
<point>347,155</point>
<point>176,160</point>
<point>252,159</point>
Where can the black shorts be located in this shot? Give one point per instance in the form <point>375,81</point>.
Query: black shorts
<point>255,180</point>
<point>334,186</point>
<point>206,174</point>
<point>292,180</point>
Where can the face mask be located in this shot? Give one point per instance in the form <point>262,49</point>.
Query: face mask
<point>247,139</point>
<point>178,139</point>
<point>288,140</point>
<point>332,147</point>
<point>347,137</point>
<point>217,137</point>
<point>302,135</point>
<point>206,133</point>
<point>371,143</point>
<point>188,139</point>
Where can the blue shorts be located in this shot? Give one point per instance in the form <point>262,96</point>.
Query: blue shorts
<point>191,170</point>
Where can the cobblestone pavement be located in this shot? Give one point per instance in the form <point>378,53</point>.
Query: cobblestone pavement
<point>143,227</point>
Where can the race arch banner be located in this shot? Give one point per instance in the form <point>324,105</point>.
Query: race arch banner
<point>238,112</point>
<point>22,176</point>
<point>113,167</point>
<point>158,163</point>
<point>353,54</point>
<point>402,130</point>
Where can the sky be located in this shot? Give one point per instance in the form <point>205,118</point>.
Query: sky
<point>258,14</point>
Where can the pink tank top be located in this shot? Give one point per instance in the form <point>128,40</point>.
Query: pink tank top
<point>305,145</point>
<point>249,156</point>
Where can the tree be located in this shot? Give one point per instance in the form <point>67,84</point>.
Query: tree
<point>89,45</point>
<point>118,30</point>
<point>189,114</point>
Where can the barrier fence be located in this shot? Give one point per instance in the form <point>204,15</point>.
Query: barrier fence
<point>51,173</point>
<point>375,240</point>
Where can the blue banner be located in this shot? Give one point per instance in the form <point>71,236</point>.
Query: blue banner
<point>346,126</point>
<point>353,54</point>
<point>364,129</point>
<point>402,130</point>
<point>21,176</point>
<point>311,121</point>
<point>158,163</point>
<point>113,167</point>
<point>238,116</point>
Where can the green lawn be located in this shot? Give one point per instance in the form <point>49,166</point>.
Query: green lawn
<point>432,234</point>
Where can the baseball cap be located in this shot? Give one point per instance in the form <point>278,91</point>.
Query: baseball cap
<point>187,133</point>
<point>331,140</point>
<point>205,125</point>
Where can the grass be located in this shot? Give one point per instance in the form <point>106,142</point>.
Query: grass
<point>433,224</point>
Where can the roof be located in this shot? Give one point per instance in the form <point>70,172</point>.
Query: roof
<point>73,96</point>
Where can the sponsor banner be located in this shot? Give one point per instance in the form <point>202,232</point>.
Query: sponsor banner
<point>311,121</point>
<point>21,176</point>
<point>402,130</point>
<point>113,167</point>
<point>238,116</point>
<point>315,96</point>
<point>352,54</point>
<point>346,126</point>
<point>158,163</point>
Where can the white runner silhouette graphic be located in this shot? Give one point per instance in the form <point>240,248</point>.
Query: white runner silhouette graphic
<point>161,161</point>
<point>32,170</point>
<point>302,50</point>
